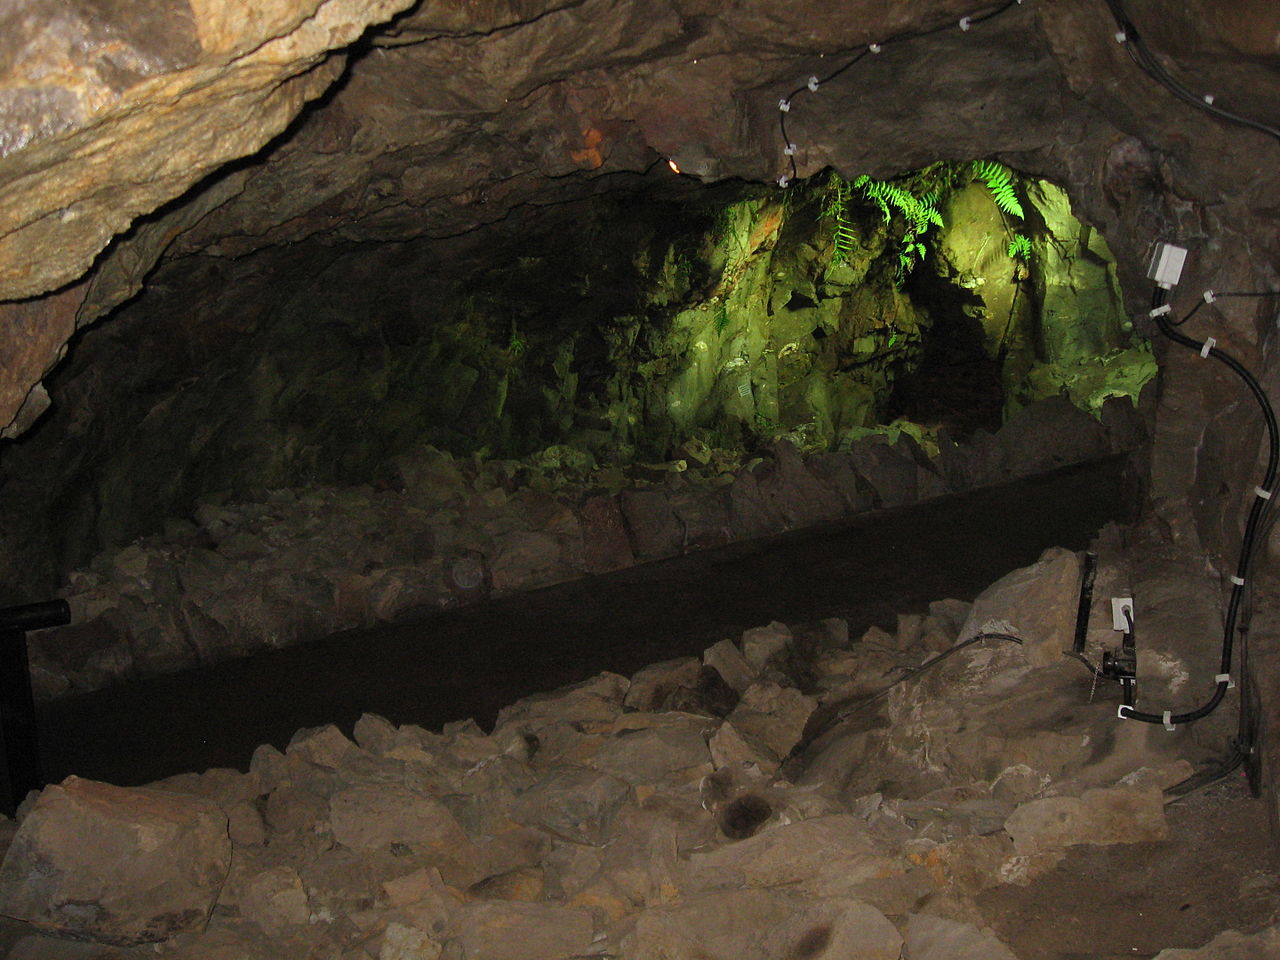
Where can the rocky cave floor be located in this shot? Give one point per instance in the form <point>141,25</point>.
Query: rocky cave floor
<point>767,800</point>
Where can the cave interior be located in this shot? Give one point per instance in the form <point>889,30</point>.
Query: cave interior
<point>338,314</point>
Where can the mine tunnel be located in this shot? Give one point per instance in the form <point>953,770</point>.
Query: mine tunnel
<point>516,481</point>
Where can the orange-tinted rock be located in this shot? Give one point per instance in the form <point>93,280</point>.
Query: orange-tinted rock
<point>122,866</point>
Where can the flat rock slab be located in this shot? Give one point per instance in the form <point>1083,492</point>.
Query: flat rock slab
<point>937,938</point>
<point>831,854</point>
<point>1231,945</point>
<point>763,925</point>
<point>522,931</point>
<point>1103,816</point>
<point>114,865</point>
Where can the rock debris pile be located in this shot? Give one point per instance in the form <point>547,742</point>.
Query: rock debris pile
<point>297,564</point>
<point>794,793</point>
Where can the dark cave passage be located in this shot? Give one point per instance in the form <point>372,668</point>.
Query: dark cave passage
<point>473,661</point>
<point>956,385</point>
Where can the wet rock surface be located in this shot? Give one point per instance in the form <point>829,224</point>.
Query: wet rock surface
<point>593,821</point>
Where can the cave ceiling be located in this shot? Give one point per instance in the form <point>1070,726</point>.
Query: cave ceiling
<point>136,131</point>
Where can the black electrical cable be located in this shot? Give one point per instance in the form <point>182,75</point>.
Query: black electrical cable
<point>1258,514</point>
<point>912,674</point>
<point>1212,295</point>
<point>819,725</point>
<point>1206,777</point>
<point>816,81</point>
<point>1146,60</point>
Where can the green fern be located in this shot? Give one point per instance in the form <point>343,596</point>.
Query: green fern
<point>836,209</point>
<point>1019,248</point>
<point>721,320</point>
<point>920,214</point>
<point>999,180</point>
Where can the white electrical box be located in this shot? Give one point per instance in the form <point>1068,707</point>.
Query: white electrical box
<point>1118,606</point>
<point>1166,264</point>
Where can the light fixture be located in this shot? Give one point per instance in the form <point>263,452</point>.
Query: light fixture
<point>695,160</point>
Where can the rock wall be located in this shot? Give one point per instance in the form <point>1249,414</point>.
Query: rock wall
<point>447,119</point>
<point>623,325</point>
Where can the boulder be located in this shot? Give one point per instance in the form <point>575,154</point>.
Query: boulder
<point>825,856</point>
<point>1037,603</point>
<point>705,517</point>
<point>573,803</point>
<point>773,717</point>
<point>762,644</point>
<point>653,685</point>
<point>1104,816</point>
<point>402,941</point>
<point>937,938</point>
<point>836,471</point>
<point>655,531</point>
<point>275,900</point>
<point>762,925</point>
<point>324,746</point>
<point>727,660</point>
<point>120,866</point>
<point>376,817</point>
<point>891,471</point>
<point>605,546</point>
<point>526,559</point>
<point>1047,434</point>
<point>650,748</point>
<point>1231,945</point>
<point>512,930</point>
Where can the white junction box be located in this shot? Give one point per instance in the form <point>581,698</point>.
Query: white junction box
<point>1118,605</point>
<point>1166,264</point>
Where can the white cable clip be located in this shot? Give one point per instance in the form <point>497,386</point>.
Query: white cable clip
<point>783,180</point>
<point>875,48</point>
<point>1264,494</point>
<point>1120,712</point>
<point>790,150</point>
<point>966,23</point>
<point>1208,98</point>
<point>1210,296</point>
<point>1208,345</point>
<point>1238,581</point>
<point>1121,37</point>
<point>813,84</point>
<point>1225,678</point>
<point>1169,724</point>
<point>784,105</point>
<point>1160,311</point>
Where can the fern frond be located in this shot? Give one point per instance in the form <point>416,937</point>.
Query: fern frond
<point>920,213</point>
<point>1019,248</point>
<point>999,180</point>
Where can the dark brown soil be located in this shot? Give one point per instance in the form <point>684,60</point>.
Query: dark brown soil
<point>1215,872</point>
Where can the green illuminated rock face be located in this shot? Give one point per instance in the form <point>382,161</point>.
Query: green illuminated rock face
<point>628,327</point>
<point>1055,321</point>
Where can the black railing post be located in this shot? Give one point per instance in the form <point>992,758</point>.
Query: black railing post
<point>17,703</point>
